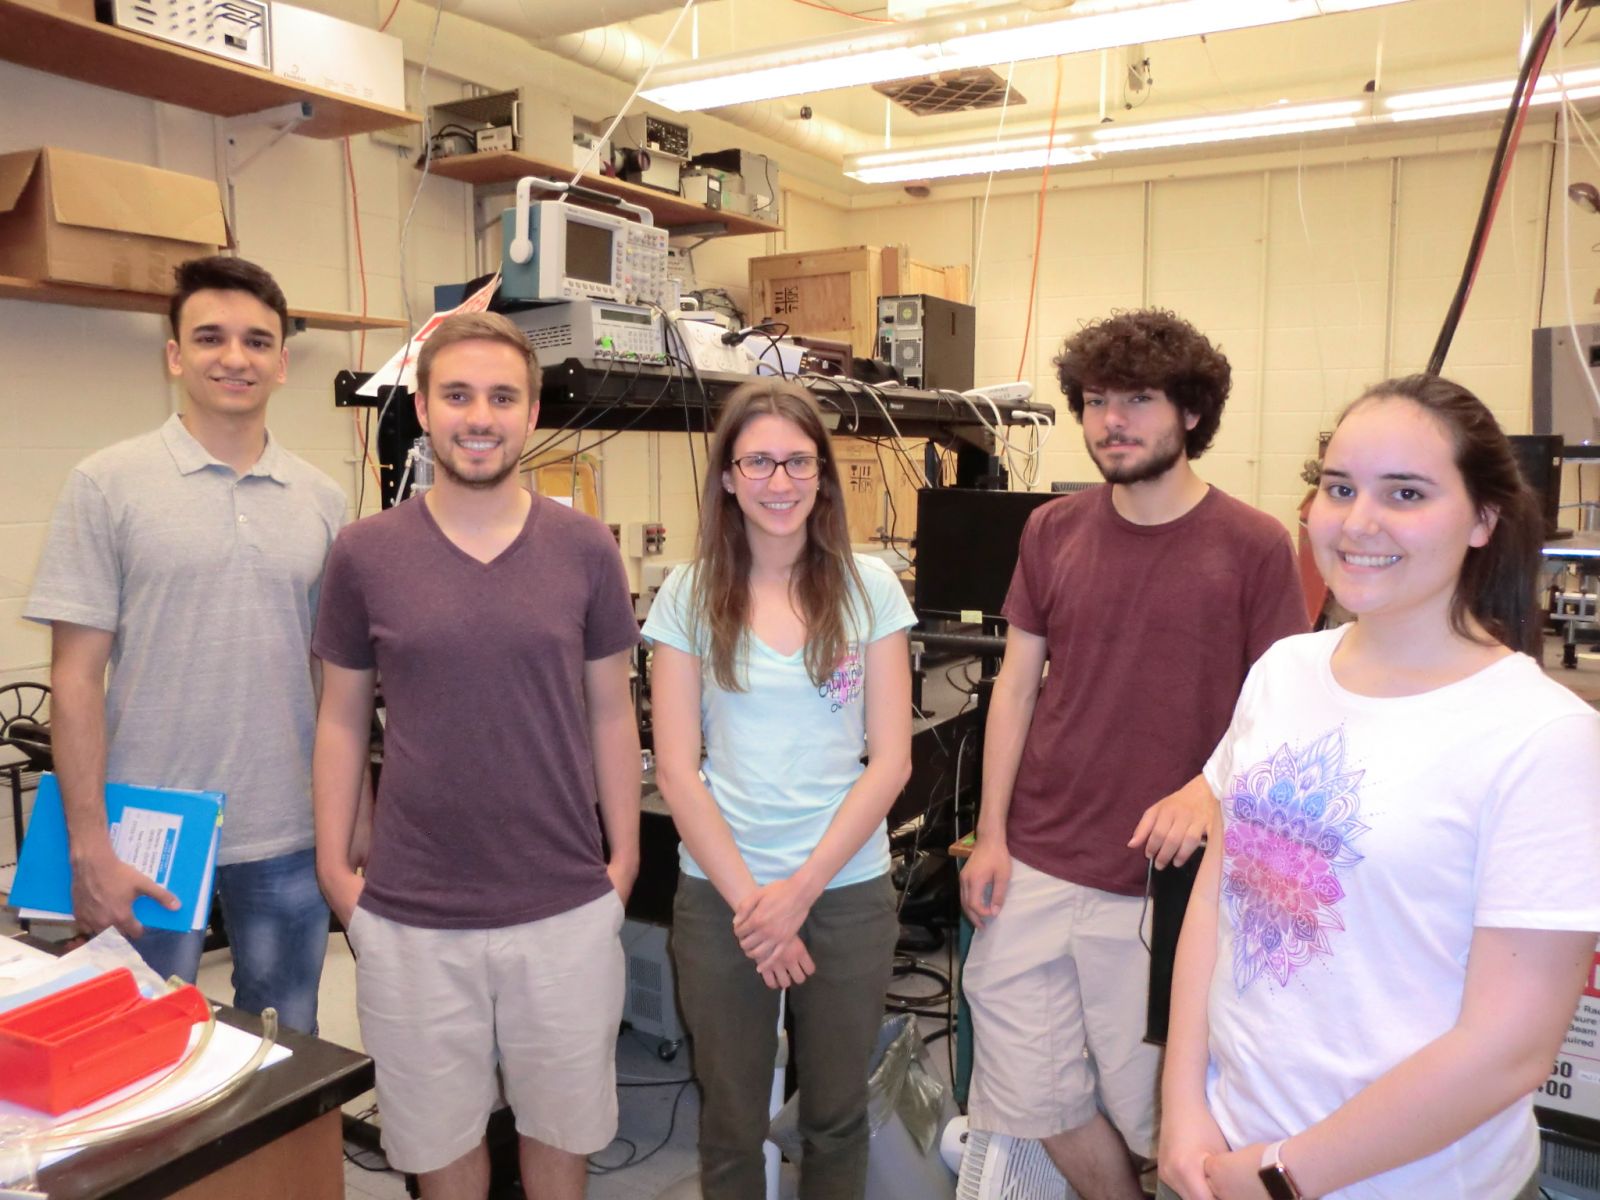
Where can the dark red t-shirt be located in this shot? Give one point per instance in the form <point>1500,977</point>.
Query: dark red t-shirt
<point>1151,630</point>
<point>486,808</point>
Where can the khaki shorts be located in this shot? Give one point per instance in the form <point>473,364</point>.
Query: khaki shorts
<point>440,1009</point>
<point>1058,983</point>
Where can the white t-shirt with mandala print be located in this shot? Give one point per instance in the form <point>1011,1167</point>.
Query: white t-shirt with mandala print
<point>782,754</point>
<point>1364,840</point>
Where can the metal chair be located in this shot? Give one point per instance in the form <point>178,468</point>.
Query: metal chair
<point>24,729</point>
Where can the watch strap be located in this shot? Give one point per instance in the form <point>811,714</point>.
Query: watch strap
<point>1275,1176</point>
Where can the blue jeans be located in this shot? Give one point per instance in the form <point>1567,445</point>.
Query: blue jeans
<point>277,925</point>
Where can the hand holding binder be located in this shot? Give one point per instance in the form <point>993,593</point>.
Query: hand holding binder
<point>104,889</point>
<point>169,836</point>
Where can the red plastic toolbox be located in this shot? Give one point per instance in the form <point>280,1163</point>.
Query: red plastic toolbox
<point>86,1041</point>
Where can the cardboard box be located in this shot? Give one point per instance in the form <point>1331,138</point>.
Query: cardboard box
<point>78,218</point>
<point>338,56</point>
<point>82,9</point>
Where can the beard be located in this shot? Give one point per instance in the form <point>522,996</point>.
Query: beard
<point>442,464</point>
<point>1156,461</point>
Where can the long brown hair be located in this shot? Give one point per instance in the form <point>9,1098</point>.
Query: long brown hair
<point>1499,580</point>
<point>825,572</point>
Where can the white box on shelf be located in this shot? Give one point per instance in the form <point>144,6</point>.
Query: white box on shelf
<point>338,56</point>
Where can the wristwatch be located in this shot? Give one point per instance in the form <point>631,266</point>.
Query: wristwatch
<point>1275,1176</point>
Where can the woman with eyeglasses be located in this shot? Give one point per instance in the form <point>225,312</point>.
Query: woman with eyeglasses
<point>784,657</point>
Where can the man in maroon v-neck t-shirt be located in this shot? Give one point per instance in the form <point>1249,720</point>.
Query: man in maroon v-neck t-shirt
<point>1150,598</point>
<point>486,926</point>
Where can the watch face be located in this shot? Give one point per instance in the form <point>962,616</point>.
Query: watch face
<point>1277,1184</point>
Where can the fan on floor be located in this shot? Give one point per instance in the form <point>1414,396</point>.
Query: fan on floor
<point>996,1166</point>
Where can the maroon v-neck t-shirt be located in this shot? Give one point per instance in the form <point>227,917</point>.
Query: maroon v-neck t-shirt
<point>486,808</point>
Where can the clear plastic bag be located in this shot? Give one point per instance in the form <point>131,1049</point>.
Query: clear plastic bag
<point>908,1106</point>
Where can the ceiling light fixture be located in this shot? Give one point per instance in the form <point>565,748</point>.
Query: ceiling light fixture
<point>918,48</point>
<point>1027,152</point>
<point>1436,103</point>
<point>977,158</point>
<point>1276,121</point>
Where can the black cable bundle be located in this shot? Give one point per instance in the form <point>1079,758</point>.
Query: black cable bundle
<point>1499,172</point>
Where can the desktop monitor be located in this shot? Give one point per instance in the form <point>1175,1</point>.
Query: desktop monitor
<point>967,542</point>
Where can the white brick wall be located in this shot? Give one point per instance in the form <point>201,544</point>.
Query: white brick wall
<point>1300,278</point>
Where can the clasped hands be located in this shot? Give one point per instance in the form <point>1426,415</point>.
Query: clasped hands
<point>767,923</point>
<point>1198,1165</point>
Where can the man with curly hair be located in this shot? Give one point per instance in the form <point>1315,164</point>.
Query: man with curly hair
<point>1150,598</point>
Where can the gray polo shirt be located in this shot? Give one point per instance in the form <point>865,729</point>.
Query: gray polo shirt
<point>209,581</point>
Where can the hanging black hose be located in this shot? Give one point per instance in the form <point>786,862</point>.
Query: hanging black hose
<point>1499,171</point>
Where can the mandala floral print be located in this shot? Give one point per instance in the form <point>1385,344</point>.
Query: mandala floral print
<point>1288,854</point>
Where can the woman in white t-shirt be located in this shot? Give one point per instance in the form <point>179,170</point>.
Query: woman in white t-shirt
<point>785,657</point>
<point>1389,935</point>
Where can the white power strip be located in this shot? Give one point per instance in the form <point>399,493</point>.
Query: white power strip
<point>1003,393</point>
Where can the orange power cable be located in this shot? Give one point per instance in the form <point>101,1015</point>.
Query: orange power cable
<point>1038,222</point>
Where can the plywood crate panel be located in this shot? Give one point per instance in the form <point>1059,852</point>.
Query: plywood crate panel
<point>834,293</point>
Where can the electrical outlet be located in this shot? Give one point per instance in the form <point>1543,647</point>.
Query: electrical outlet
<point>644,539</point>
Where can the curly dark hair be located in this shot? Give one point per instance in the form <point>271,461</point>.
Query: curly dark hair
<point>1150,348</point>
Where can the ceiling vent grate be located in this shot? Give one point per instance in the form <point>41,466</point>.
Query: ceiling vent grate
<point>953,91</point>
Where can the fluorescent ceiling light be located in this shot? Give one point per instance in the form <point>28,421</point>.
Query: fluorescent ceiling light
<point>1028,152</point>
<point>1279,120</point>
<point>1436,103</point>
<point>1276,121</point>
<point>944,162</point>
<point>917,48</point>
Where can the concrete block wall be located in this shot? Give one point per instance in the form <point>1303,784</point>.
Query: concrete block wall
<point>1316,280</point>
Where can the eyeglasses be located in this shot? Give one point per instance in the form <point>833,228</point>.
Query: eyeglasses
<point>760,466</point>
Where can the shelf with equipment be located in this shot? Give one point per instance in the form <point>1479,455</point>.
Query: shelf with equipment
<point>81,296</point>
<point>613,397</point>
<point>46,39</point>
<point>670,212</point>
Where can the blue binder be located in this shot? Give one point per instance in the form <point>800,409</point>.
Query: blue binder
<point>169,834</point>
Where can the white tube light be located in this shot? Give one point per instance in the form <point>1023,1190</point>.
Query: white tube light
<point>1437,103</point>
<point>945,163</point>
<point>1208,137</point>
<point>1261,122</point>
<point>920,48</point>
<point>1025,153</point>
<point>1028,152</point>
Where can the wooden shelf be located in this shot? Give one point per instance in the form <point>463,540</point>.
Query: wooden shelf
<point>670,212</point>
<point>81,296</point>
<point>48,40</point>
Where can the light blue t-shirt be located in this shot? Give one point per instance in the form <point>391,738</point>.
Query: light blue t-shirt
<point>781,755</point>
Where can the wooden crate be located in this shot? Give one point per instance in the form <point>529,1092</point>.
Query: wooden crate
<point>554,476</point>
<point>834,293</point>
<point>862,470</point>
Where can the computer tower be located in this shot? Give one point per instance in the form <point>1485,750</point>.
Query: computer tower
<point>1539,458</point>
<point>650,1004</point>
<point>1565,380</point>
<point>928,339</point>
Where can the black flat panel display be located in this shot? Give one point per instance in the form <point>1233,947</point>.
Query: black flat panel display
<point>967,547</point>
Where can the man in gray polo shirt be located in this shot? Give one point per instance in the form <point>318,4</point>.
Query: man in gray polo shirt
<point>188,560</point>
